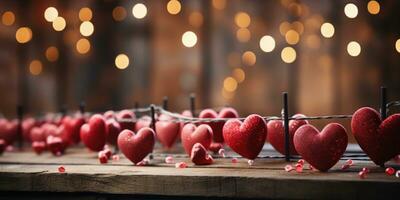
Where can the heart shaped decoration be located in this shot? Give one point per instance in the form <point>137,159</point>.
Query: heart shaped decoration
<point>27,125</point>
<point>380,140</point>
<point>37,134</point>
<point>167,130</point>
<point>8,131</point>
<point>126,119</point>
<point>113,129</point>
<point>321,149</point>
<point>247,138</point>
<point>136,147</point>
<point>218,126</point>
<point>72,128</point>
<point>276,135</point>
<point>93,133</point>
<point>199,155</point>
<point>191,134</point>
<point>143,122</point>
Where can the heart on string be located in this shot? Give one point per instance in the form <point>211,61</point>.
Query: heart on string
<point>93,134</point>
<point>8,131</point>
<point>192,134</point>
<point>136,146</point>
<point>167,131</point>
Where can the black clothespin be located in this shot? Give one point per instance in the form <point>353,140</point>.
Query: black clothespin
<point>20,114</point>
<point>286,126</point>
<point>383,103</point>
<point>153,117</point>
<point>63,110</point>
<point>165,103</point>
<point>192,104</point>
<point>82,107</point>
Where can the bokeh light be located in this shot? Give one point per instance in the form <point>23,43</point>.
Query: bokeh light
<point>298,27</point>
<point>239,75</point>
<point>284,27</point>
<point>85,14</point>
<point>397,45</point>
<point>353,48</point>
<point>86,28</point>
<point>230,84</point>
<point>83,46</point>
<point>242,19</point>
<point>249,58</point>
<point>189,39</point>
<point>327,30</point>
<point>119,13</point>
<point>8,18</point>
<point>351,10</point>
<point>173,7</point>
<point>59,24</point>
<point>243,35</point>
<point>122,61</point>
<point>139,11</point>
<point>23,35</point>
<point>196,19</point>
<point>267,43</point>
<point>52,54</point>
<point>50,14</point>
<point>373,7</point>
<point>292,37</point>
<point>288,55</point>
<point>35,67</point>
<point>219,4</point>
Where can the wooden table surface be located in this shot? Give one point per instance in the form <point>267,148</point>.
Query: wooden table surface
<point>28,172</point>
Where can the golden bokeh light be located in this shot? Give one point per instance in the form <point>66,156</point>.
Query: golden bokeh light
<point>351,10</point>
<point>219,4</point>
<point>8,18</point>
<point>122,61</point>
<point>189,39</point>
<point>243,35</point>
<point>139,11</point>
<point>284,27</point>
<point>313,41</point>
<point>83,46</point>
<point>50,14</point>
<point>249,58</point>
<point>196,19</point>
<point>59,24</point>
<point>397,45</point>
<point>327,30</point>
<point>86,28</point>
<point>239,75</point>
<point>85,14</point>
<point>23,35</point>
<point>373,7</point>
<point>288,55</point>
<point>353,48</point>
<point>52,54</point>
<point>267,43</point>
<point>242,19</point>
<point>174,7</point>
<point>35,67</point>
<point>298,27</point>
<point>119,13</point>
<point>230,84</point>
<point>292,37</point>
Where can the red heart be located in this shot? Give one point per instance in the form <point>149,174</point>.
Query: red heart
<point>144,121</point>
<point>379,140</point>
<point>37,134</point>
<point>191,135</point>
<point>72,128</point>
<point>93,133</point>
<point>276,135</point>
<point>321,149</point>
<point>217,126</point>
<point>113,129</point>
<point>136,147</point>
<point>8,131</point>
<point>199,155</point>
<point>247,138</point>
<point>126,119</point>
<point>167,131</point>
<point>27,126</point>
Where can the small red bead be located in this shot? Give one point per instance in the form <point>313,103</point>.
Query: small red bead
<point>61,169</point>
<point>299,168</point>
<point>169,160</point>
<point>234,160</point>
<point>349,162</point>
<point>362,174</point>
<point>346,166</point>
<point>102,157</point>
<point>390,171</point>
<point>301,161</point>
<point>365,169</point>
<point>180,165</point>
<point>250,162</point>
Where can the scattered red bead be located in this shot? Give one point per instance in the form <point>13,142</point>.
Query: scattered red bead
<point>365,169</point>
<point>61,169</point>
<point>180,165</point>
<point>345,167</point>
<point>362,174</point>
<point>349,162</point>
<point>301,162</point>
<point>390,171</point>
<point>108,153</point>
<point>289,168</point>
<point>115,157</point>
<point>169,160</point>
<point>102,157</point>
<point>299,168</point>
<point>250,162</point>
<point>234,160</point>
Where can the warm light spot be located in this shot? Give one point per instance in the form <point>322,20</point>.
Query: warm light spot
<point>298,27</point>
<point>249,58</point>
<point>243,35</point>
<point>196,19</point>
<point>86,28</point>
<point>242,19</point>
<point>83,46</point>
<point>119,13</point>
<point>139,11</point>
<point>227,94</point>
<point>397,45</point>
<point>52,54</point>
<point>23,35</point>
<point>8,18</point>
<point>230,84</point>
<point>50,14</point>
<point>288,55</point>
<point>284,27</point>
<point>173,7</point>
<point>327,30</point>
<point>239,75</point>
<point>292,37</point>
<point>351,10</point>
<point>353,48</point>
<point>219,4</point>
<point>373,7</point>
<point>267,43</point>
<point>85,14</point>
<point>122,61</point>
<point>313,41</point>
<point>59,24</point>
<point>35,67</point>
<point>189,39</point>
